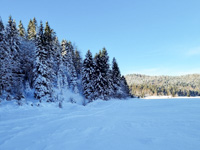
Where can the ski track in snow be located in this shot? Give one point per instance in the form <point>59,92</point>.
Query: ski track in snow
<point>161,124</point>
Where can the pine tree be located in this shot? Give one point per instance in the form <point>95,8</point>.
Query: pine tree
<point>43,89</point>
<point>27,48</point>
<point>51,53</point>
<point>125,87</point>
<point>88,76</point>
<point>105,62</point>
<point>67,52</point>
<point>61,78</point>
<point>31,30</point>
<point>5,63</point>
<point>103,78</point>
<point>72,70</point>
<point>99,80</point>
<point>106,73</point>
<point>64,46</point>
<point>62,82</point>
<point>15,76</point>
<point>21,29</point>
<point>77,62</point>
<point>116,80</point>
<point>3,57</point>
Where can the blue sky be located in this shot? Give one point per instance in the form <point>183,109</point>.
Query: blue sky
<point>151,37</point>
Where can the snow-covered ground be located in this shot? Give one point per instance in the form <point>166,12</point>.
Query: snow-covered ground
<point>134,124</point>
<point>166,97</point>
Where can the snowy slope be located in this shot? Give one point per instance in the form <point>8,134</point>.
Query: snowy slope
<point>171,124</point>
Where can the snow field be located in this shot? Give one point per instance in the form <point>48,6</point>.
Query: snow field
<point>159,124</point>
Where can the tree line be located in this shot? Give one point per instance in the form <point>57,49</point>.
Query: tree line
<point>34,59</point>
<point>143,85</point>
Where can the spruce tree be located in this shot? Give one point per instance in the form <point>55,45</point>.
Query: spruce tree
<point>61,78</point>
<point>72,70</point>
<point>16,76</point>
<point>99,80</point>
<point>88,76</point>
<point>62,82</point>
<point>21,29</point>
<point>116,80</point>
<point>103,78</point>
<point>67,52</point>
<point>77,62</point>
<point>42,85</point>
<point>5,61</point>
<point>105,62</point>
<point>125,87</point>
<point>51,53</point>
<point>64,46</point>
<point>27,48</point>
<point>31,30</point>
<point>4,52</point>
<point>106,73</point>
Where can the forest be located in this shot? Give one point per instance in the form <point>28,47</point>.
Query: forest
<point>34,60</point>
<point>143,85</point>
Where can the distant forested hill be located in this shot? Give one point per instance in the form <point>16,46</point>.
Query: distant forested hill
<point>143,85</point>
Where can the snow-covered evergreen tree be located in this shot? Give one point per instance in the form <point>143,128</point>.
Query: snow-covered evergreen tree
<point>67,53</point>
<point>51,53</point>
<point>58,65</point>
<point>16,77</point>
<point>27,49</point>
<point>71,69</point>
<point>103,77</point>
<point>62,82</point>
<point>64,46</point>
<point>125,87</point>
<point>88,76</point>
<point>57,53</point>
<point>4,53</point>
<point>21,30</point>
<point>106,73</point>
<point>42,85</point>
<point>77,62</point>
<point>116,80</point>
<point>100,80</point>
<point>32,29</point>
<point>61,76</point>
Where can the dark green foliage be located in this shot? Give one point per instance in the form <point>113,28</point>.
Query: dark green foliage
<point>77,62</point>
<point>125,87</point>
